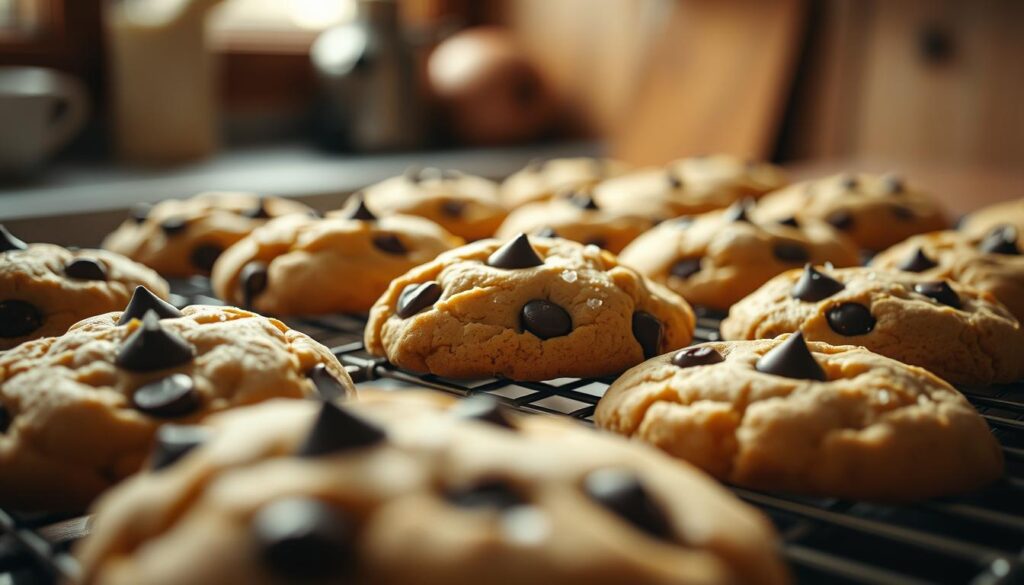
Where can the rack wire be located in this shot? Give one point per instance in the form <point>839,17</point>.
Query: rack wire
<point>976,538</point>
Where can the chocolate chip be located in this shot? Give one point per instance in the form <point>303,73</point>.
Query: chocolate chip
<point>546,232</point>
<point>453,209</point>
<point>674,182</point>
<point>173,225</point>
<point>791,252</point>
<point>151,347</point>
<point>545,319</point>
<point>8,242</point>
<point>791,359</point>
<point>596,241</point>
<point>303,539</point>
<point>902,213</point>
<point>814,286</point>
<point>685,267</point>
<point>848,182</point>
<point>791,221</point>
<point>259,211</point>
<point>327,386</point>
<point>204,255</point>
<point>485,409</point>
<point>488,494</point>
<point>1001,240</point>
<point>697,356</point>
<point>86,269</point>
<point>144,301</point>
<point>515,254</point>
<point>739,211</point>
<point>918,261</point>
<point>253,280</point>
<point>357,208</point>
<point>5,419</point>
<point>850,319</point>
<point>583,200</point>
<point>390,244</point>
<point>416,297</point>
<point>647,331</point>
<point>894,184</point>
<point>940,291</point>
<point>621,492</point>
<point>841,220</point>
<point>18,318</point>
<point>139,212</point>
<point>175,441</point>
<point>337,430</point>
<point>168,397</point>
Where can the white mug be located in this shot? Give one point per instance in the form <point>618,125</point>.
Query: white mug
<point>40,111</point>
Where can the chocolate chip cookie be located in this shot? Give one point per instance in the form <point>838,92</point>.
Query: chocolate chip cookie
<point>956,331</point>
<point>44,289</point>
<point>465,205</point>
<point>717,258</point>
<point>183,237</point>
<point>875,211</point>
<point>981,222</point>
<point>303,265</point>
<point>811,418</point>
<point>992,262</point>
<point>540,180</point>
<point>411,490</point>
<point>526,309</point>
<point>574,215</point>
<point>689,186</point>
<point>80,411</point>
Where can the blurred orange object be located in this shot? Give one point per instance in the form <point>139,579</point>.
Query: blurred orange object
<point>490,91</point>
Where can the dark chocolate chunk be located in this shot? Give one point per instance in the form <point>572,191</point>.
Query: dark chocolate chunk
<point>327,386</point>
<point>1001,240</point>
<point>583,200</point>
<point>848,182</point>
<point>939,291</point>
<point>173,225</point>
<point>791,252</point>
<point>697,356</point>
<point>546,232</point>
<point>739,211</point>
<point>453,209</point>
<point>488,494</point>
<point>175,441</point>
<point>841,219</point>
<point>5,419</point>
<point>484,409</point>
<point>357,208</point>
<point>514,254</point>
<point>685,267</point>
<point>144,301</point>
<point>595,241</point>
<point>203,256</point>
<point>151,347</point>
<point>791,221</point>
<point>390,244</point>
<point>545,319</point>
<point>621,492</point>
<point>168,397</point>
<point>303,539</point>
<point>139,212</point>
<point>674,182</point>
<point>8,242</point>
<point>647,331</point>
<point>337,430</point>
<point>416,297</point>
<point>918,261</point>
<point>894,184</point>
<point>902,213</point>
<point>258,211</point>
<point>18,318</point>
<point>814,286</point>
<point>86,269</point>
<point>791,359</point>
<point>252,280</point>
<point>850,319</point>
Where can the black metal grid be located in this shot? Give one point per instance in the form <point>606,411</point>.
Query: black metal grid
<point>976,538</point>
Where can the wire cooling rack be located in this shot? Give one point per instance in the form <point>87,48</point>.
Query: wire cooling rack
<point>976,539</point>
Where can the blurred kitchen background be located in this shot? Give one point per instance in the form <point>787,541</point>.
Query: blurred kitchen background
<point>139,100</point>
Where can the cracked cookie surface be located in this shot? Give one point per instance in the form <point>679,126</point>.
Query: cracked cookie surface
<point>457,499</point>
<point>980,222</point>
<point>569,310</point>
<point>873,429</point>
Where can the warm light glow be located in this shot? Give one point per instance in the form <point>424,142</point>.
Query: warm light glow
<point>320,14</point>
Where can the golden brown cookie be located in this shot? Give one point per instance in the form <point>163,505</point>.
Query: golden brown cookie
<point>44,289</point>
<point>303,265</point>
<point>875,211</point>
<point>412,490</point>
<point>183,237</point>
<point>526,309</point>
<point>465,205</point>
<point>79,411</point>
<point>982,221</point>
<point>717,258</point>
<point>956,331</point>
<point>540,180</point>
<point>990,263</point>
<point>812,418</point>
